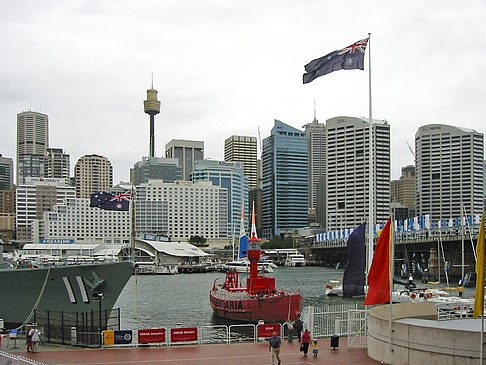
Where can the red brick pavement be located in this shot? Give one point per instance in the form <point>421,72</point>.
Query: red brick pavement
<point>233,354</point>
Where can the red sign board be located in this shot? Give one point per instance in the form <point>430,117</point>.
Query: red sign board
<point>153,335</point>
<point>267,330</point>
<point>183,334</point>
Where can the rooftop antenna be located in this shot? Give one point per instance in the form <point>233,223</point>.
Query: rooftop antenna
<point>315,119</point>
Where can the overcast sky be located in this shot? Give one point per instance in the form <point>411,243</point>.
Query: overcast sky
<point>231,67</point>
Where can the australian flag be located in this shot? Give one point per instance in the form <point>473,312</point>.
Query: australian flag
<point>110,201</point>
<point>348,58</point>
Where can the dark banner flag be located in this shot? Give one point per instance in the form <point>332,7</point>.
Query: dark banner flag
<point>110,201</point>
<point>348,58</point>
<point>354,273</point>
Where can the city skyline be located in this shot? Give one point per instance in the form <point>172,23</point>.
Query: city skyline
<point>225,69</point>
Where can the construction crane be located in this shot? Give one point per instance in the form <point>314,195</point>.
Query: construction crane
<point>411,150</point>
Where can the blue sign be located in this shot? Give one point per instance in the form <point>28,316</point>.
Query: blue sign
<point>150,237</point>
<point>123,337</point>
<point>56,241</point>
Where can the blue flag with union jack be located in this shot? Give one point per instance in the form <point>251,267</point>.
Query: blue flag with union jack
<point>348,58</point>
<point>109,201</point>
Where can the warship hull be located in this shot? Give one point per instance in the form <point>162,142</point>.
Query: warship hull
<point>70,288</point>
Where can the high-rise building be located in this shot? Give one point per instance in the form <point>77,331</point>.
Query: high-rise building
<point>316,154</point>
<point>243,149</point>
<point>32,143</point>
<point>229,176</point>
<point>348,175</point>
<point>284,200</point>
<point>92,173</point>
<point>6,173</point>
<point>449,171</point>
<point>73,219</point>
<point>156,168</point>
<point>36,196</point>
<point>187,152</point>
<point>7,215</point>
<point>403,190</point>
<point>56,164</point>
<point>181,209</point>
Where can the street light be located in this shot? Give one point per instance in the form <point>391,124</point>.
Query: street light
<point>99,297</point>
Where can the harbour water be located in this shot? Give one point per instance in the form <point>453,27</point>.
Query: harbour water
<point>166,300</point>
<point>150,301</point>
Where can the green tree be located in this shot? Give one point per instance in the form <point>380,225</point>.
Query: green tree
<point>198,241</point>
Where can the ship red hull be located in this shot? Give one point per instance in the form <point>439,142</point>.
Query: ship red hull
<point>241,307</point>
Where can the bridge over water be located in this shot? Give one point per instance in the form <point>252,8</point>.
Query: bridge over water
<point>417,250</point>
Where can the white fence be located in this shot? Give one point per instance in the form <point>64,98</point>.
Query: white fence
<point>337,320</point>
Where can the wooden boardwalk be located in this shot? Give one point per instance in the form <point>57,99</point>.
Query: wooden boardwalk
<point>233,354</point>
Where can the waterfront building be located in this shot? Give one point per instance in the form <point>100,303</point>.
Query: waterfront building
<point>449,169</point>
<point>402,191</point>
<point>32,142</point>
<point>187,152</point>
<point>316,156</point>
<point>74,221</point>
<point>285,192</point>
<point>35,197</point>
<point>348,175</point>
<point>229,176</point>
<point>6,173</point>
<point>156,168</point>
<point>56,164</point>
<point>243,149</point>
<point>181,209</point>
<point>92,173</point>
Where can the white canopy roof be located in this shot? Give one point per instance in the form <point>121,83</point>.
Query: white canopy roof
<point>179,249</point>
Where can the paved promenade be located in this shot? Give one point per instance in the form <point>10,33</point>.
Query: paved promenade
<point>233,354</point>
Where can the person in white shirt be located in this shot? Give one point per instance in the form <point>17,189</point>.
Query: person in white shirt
<point>35,339</point>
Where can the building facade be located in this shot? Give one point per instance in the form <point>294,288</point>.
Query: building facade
<point>37,196</point>
<point>32,143</point>
<point>316,155</point>
<point>181,209</point>
<point>229,176</point>
<point>243,149</point>
<point>348,175</point>
<point>73,219</point>
<point>402,191</point>
<point>6,173</point>
<point>449,171</point>
<point>285,192</point>
<point>92,173</point>
<point>187,152</point>
<point>156,168</point>
<point>56,164</point>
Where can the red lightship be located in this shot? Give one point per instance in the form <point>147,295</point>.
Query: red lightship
<point>259,300</point>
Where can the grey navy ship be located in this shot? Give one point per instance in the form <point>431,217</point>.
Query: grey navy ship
<point>69,288</point>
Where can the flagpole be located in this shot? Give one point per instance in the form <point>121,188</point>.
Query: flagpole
<point>371,174</point>
<point>392,267</point>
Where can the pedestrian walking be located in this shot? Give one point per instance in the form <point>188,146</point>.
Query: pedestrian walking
<point>35,339</point>
<point>290,330</point>
<point>306,339</point>
<point>28,338</point>
<point>315,348</point>
<point>298,327</point>
<point>275,342</point>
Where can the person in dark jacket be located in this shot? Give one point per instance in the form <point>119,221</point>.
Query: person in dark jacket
<point>298,326</point>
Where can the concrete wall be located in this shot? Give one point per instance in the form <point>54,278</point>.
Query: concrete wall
<point>422,341</point>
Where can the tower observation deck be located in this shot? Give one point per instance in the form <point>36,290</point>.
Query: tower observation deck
<point>151,107</point>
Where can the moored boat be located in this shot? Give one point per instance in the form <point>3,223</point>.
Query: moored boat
<point>68,288</point>
<point>259,299</point>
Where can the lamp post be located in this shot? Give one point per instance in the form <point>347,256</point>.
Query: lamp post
<point>99,297</point>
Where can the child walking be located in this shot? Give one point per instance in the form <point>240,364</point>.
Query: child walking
<point>315,348</point>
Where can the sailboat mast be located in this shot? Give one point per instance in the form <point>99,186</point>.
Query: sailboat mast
<point>371,173</point>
